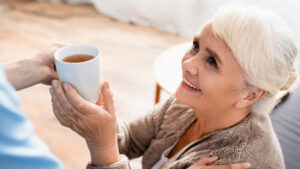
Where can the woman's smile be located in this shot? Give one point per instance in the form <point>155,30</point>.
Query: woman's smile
<point>190,87</point>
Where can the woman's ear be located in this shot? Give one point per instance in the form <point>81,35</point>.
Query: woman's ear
<point>250,97</point>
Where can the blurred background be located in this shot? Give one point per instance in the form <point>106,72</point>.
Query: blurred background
<point>130,35</point>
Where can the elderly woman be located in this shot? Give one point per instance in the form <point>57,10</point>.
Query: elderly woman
<point>231,75</point>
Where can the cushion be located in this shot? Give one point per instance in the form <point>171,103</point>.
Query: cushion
<point>286,123</point>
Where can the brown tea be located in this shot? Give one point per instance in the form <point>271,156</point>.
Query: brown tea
<point>78,58</point>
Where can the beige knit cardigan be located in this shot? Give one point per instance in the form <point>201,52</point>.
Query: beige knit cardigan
<point>252,140</point>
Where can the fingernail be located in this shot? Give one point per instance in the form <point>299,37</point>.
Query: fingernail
<point>65,87</point>
<point>107,87</point>
<point>54,84</point>
<point>247,165</point>
<point>214,157</point>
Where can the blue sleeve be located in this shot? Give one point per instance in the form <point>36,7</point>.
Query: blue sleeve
<point>20,148</point>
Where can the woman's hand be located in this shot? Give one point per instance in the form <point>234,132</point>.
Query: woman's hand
<point>96,123</point>
<point>203,162</point>
<point>33,70</point>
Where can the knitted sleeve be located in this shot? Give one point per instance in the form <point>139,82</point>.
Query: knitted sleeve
<point>122,164</point>
<point>134,138</point>
<point>263,148</point>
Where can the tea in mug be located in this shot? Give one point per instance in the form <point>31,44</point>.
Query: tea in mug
<point>78,58</point>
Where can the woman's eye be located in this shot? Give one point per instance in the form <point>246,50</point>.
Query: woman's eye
<point>196,47</point>
<point>212,61</point>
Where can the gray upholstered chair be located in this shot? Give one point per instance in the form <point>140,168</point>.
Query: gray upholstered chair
<point>286,122</point>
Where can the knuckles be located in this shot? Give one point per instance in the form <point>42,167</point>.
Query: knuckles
<point>81,106</point>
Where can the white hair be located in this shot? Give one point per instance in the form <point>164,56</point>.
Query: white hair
<point>263,45</point>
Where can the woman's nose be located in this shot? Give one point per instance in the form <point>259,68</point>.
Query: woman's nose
<point>189,68</point>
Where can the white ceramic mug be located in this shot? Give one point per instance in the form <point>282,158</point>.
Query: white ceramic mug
<point>84,76</point>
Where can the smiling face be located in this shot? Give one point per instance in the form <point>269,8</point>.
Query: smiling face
<point>212,79</point>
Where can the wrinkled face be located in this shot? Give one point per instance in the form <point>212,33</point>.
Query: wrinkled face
<point>212,79</point>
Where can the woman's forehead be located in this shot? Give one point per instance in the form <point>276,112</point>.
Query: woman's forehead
<point>207,34</point>
<point>208,39</point>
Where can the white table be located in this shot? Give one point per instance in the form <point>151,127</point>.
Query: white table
<point>167,69</point>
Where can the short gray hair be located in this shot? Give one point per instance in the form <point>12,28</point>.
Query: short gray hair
<point>263,45</point>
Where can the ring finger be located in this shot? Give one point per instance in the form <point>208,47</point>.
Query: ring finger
<point>58,111</point>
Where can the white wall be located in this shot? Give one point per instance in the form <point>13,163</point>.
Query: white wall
<point>184,17</point>
<point>68,1</point>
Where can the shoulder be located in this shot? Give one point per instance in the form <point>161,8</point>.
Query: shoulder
<point>262,149</point>
<point>252,140</point>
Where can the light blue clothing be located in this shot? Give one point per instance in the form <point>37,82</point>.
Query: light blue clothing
<point>20,148</point>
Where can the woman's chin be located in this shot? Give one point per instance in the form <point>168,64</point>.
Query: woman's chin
<point>182,97</point>
<point>187,97</point>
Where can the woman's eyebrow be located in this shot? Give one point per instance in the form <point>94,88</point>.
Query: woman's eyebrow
<point>196,39</point>
<point>211,52</point>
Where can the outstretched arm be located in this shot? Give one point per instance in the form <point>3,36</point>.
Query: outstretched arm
<point>31,71</point>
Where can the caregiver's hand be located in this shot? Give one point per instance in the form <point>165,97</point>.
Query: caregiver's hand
<point>33,70</point>
<point>96,123</point>
<point>45,62</point>
<point>203,162</point>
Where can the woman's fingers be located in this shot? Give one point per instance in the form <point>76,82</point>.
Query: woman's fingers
<point>66,119</point>
<point>56,109</point>
<point>76,100</point>
<point>206,161</point>
<point>105,99</point>
<point>94,123</point>
<point>63,106</point>
<point>230,166</point>
<point>108,98</point>
<point>61,97</point>
<point>100,97</point>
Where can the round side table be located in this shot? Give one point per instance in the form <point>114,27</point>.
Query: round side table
<point>167,69</point>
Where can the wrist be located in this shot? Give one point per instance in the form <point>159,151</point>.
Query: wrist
<point>104,155</point>
<point>23,73</point>
<point>36,72</point>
